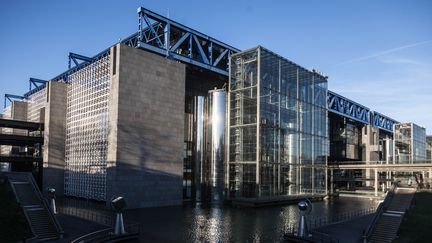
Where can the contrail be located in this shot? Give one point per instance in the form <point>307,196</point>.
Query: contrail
<point>384,52</point>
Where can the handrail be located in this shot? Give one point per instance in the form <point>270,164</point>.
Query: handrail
<point>315,223</point>
<point>381,209</point>
<point>46,205</point>
<point>107,233</point>
<point>92,235</point>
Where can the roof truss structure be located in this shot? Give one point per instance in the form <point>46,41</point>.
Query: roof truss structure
<point>348,108</point>
<point>173,40</point>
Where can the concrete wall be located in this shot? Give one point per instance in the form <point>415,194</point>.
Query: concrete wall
<point>370,143</point>
<point>19,112</point>
<point>145,159</point>
<point>54,137</point>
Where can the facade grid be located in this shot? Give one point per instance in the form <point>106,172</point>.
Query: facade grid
<point>87,130</point>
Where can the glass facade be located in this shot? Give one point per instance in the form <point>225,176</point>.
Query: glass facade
<point>278,143</point>
<point>429,148</point>
<point>345,139</point>
<point>410,143</point>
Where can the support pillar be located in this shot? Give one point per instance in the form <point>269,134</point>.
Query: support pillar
<point>331,181</point>
<point>376,182</point>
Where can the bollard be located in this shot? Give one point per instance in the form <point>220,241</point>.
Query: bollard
<point>305,208</point>
<point>118,204</point>
<point>51,194</point>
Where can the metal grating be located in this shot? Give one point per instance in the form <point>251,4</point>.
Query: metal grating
<point>36,102</point>
<point>87,130</point>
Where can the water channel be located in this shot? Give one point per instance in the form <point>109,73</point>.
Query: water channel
<point>198,223</point>
<point>227,224</point>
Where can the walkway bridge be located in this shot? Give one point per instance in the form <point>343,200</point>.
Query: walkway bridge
<point>379,166</point>
<point>22,134</point>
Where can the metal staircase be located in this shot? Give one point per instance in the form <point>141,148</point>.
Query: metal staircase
<point>36,210</point>
<point>387,225</point>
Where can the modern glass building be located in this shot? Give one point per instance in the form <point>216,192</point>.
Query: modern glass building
<point>429,148</point>
<point>410,143</point>
<point>278,143</point>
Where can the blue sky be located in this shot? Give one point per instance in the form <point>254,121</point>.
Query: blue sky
<point>378,53</point>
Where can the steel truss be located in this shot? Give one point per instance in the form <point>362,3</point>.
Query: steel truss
<point>75,58</point>
<point>348,108</point>
<point>11,97</point>
<point>171,39</point>
<point>383,122</point>
<point>352,110</point>
<point>34,86</point>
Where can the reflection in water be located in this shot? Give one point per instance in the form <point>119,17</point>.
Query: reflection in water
<point>226,224</point>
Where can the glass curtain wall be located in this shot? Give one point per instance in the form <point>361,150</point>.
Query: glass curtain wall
<point>419,144</point>
<point>278,142</point>
<point>410,143</point>
<point>429,149</point>
<point>403,146</point>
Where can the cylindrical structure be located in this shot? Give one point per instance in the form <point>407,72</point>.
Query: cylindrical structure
<point>198,145</point>
<point>216,115</point>
<point>119,225</point>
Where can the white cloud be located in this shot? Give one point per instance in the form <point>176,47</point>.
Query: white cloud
<point>385,52</point>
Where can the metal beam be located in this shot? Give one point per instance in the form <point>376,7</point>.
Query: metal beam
<point>75,58</point>
<point>348,108</point>
<point>25,125</point>
<point>63,77</point>
<point>19,140</point>
<point>19,159</point>
<point>35,85</point>
<point>383,122</point>
<point>11,97</point>
<point>384,167</point>
<point>197,47</point>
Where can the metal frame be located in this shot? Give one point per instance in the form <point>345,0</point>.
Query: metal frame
<point>34,86</point>
<point>173,40</point>
<point>63,77</point>
<point>383,122</point>
<point>11,97</point>
<point>75,58</point>
<point>348,108</point>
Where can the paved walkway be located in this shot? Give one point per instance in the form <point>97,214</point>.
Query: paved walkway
<point>349,231</point>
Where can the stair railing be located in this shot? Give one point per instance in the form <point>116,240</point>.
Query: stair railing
<point>380,210</point>
<point>57,225</point>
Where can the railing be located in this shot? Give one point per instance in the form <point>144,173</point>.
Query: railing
<point>92,236</point>
<point>57,225</point>
<point>312,191</point>
<point>315,236</point>
<point>381,209</point>
<point>97,217</point>
<point>314,223</point>
<point>107,234</point>
<point>29,177</point>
